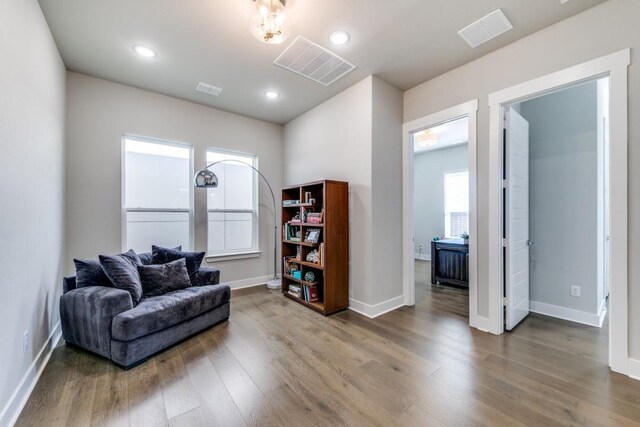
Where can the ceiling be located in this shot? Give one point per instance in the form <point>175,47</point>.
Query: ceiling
<point>403,42</point>
<point>448,134</point>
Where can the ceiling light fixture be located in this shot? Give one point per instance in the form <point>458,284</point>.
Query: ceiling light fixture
<point>339,37</point>
<point>271,94</point>
<point>144,51</point>
<point>425,138</point>
<point>267,22</point>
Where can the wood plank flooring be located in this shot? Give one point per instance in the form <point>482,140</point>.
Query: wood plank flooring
<point>277,363</point>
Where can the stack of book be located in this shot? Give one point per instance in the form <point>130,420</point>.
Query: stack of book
<point>296,291</point>
<point>290,202</point>
<point>315,217</point>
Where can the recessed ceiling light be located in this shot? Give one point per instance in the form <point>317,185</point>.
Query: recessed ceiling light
<point>339,37</point>
<point>145,51</point>
<point>271,94</point>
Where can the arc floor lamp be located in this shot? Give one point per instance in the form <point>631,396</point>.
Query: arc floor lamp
<point>207,179</point>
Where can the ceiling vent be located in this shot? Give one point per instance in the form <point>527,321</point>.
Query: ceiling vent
<point>486,28</point>
<point>313,62</point>
<point>208,89</point>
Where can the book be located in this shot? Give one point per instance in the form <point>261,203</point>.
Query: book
<point>312,293</point>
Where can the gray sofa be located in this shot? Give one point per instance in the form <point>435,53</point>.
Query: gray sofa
<point>104,321</point>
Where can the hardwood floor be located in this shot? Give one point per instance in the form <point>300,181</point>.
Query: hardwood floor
<point>277,363</point>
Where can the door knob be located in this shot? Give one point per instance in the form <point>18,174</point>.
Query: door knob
<point>529,242</point>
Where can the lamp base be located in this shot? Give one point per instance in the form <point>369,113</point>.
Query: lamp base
<point>274,284</point>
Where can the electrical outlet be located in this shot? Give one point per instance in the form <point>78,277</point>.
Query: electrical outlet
<point>25,342</point>
<point>575,290</point>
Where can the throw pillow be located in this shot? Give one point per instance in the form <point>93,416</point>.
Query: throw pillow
<point>145,257</point>
<point>89,272</point>
<point>160,255</point>
<point>162,278</point>
<point>122,270</point>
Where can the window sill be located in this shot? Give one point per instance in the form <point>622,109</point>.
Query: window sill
<point>232,256</point>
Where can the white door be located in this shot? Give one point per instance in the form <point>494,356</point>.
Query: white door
<point>517,219</point>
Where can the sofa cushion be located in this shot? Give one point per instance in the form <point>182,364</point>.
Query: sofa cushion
<point>122,270</point>
<point>157,313</point>
<point>162,278</point>
<point>162,255</point>
<point>89,272</point>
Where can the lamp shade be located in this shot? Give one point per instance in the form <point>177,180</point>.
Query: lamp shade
<point>205,179</point>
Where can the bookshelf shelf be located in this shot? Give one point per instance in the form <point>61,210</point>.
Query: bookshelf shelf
<point>302,282</point>
<point>291,242</point>
<point>331,207</point>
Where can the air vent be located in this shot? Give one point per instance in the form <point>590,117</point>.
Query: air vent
<point>313,62</point>
<point>486,28</point>
<point>208,89</point>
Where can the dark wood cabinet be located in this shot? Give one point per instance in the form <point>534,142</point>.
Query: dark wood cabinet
<point>450,262</point>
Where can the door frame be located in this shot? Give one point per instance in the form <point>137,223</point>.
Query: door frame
<point>615,66</point>
<point>468,109</point>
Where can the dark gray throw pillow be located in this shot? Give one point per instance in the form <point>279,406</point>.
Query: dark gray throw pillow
<point>89,272</point>
<point>122,270</point>
<point>160,255</point>
<point>145,257</point>
<point>162,278</point>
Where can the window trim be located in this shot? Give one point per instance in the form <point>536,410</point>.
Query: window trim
<point>444,185</point>
<point>124,210</point>
<point>255,251</point>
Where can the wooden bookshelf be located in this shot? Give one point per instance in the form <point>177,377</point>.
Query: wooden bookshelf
<point>332,274</point>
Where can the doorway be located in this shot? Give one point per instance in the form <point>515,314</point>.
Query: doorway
<point>441,215</point>
<point>613,66</point>
<point>554,207</point>
<point>462,117</point>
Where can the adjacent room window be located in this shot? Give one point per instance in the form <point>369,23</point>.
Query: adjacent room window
<point>233,205</point>
<point>157,194</point>
<point>456,203</point>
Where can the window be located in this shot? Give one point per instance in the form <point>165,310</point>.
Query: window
<point>456,203</point>
<point>157,194</point>
<point>233,205</point>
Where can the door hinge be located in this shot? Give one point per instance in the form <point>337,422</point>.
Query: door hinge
<point>504,183</point>
<point>504,301</point>
<point>504,243</point>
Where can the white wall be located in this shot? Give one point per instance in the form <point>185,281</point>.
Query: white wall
<point>99,112</point>
<point>563,197</point>
<point>386,185</point>
<point>333,141</point>
<point>428,205</point>
<point>355,137</point>
<point>32,97</point>
<point>601,30</point>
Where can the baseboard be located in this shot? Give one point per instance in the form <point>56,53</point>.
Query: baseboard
<point>591,319</point>
<point>634,369</point>
<point>376,310</point>
<point>423,257</point>
<point>14,406</point>
<point>249,283</point>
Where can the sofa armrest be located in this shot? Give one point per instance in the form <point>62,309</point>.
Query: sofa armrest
<point>208,276</point>
<point>68,284</point>
<point>86,315</point>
